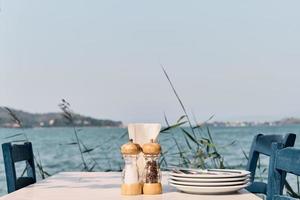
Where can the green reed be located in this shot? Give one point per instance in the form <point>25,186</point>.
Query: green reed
<point>201,149</point>
<point>88,163</point>
<point>43,173</point>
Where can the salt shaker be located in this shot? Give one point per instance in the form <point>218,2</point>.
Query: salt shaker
<point>151,174</point>
<point>130,176</point>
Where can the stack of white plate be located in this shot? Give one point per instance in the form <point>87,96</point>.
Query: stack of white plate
<point>213,181</point>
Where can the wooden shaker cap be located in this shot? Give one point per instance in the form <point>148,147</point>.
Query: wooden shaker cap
<point>130,148</point>
<point>151,148</point>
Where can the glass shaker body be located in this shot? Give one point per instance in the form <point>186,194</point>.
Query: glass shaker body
<point>151,173</point>
<point>130,174</point>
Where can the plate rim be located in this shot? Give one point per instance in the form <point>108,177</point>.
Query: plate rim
<point>217,184</point>
<point>209,191</point>
<point>209,180</point>
<point>223,187</point>
<point>206,176</point>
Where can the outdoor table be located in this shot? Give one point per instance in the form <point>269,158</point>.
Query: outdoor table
<point>104,186</point>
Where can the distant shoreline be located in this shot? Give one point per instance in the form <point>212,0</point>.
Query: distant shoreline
<point>125,127</point>
<point>282,122</point>
<point>56,120</point>
<point>32,120</point>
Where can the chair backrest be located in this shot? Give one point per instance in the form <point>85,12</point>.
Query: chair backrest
<point>13,153</point>
<point>262,144</point>
<point>282,161</point>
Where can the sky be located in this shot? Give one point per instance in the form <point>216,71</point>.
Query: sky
<point>237,60</point>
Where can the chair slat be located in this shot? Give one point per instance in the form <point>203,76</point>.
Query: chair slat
<point>264,143</point>
<point>288,160</point>
<point>13,153</point>
<point>21,152</point>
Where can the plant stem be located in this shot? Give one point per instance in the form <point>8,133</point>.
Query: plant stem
<point>80,150</point>
<point>180,102</point>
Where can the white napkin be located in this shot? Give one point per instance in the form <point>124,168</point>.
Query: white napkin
<point>142,133</point>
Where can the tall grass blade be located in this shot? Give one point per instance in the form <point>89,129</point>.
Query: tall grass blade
<point>179,100</point>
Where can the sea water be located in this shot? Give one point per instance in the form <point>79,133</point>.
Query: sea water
<point>57,150</point>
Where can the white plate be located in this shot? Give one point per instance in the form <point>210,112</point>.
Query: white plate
<point>209,180</point>
<point>208,190</point>
<point>227,173</point>
<point>217,184</point>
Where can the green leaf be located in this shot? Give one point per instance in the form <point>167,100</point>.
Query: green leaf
<point>214,155</point>
<point>88,150</point>
<point>203,123</point>
<point>181,118</point>
<point>72,143</point>
<point>228,145</point>
<point>190,136</point>
<point>172,126</point>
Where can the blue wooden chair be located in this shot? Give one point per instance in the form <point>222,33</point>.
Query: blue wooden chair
<point>282,161</point>
<point>13,153</point>
<point>262,144</point>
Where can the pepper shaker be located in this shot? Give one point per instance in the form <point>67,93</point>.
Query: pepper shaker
<point>151,174</point>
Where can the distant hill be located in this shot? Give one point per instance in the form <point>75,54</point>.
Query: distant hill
<point>51,120</point>
<point>288,121</point>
